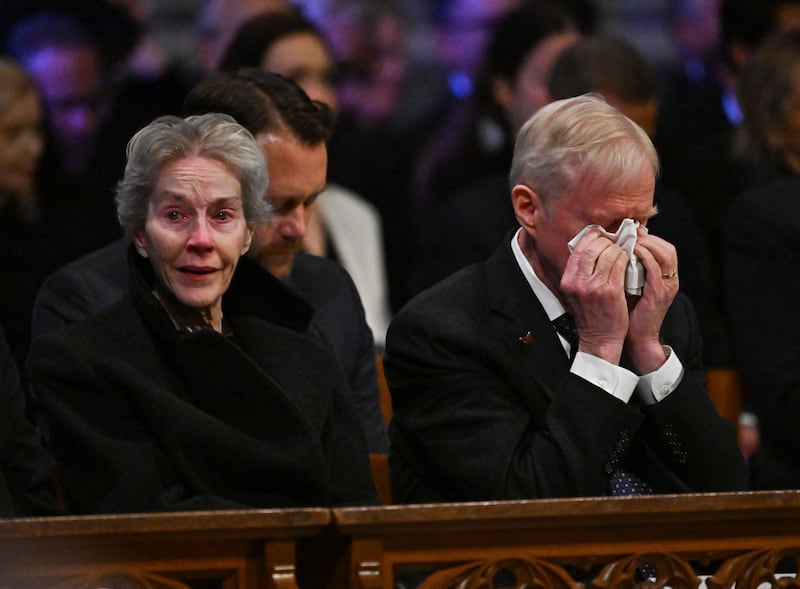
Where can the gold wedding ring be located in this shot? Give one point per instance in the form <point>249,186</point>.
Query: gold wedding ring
<point>670,275</point>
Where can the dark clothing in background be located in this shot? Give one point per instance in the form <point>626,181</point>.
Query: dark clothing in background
<point>340,316</point>
<point>26,470</point>
<point>762,284</point>
<point>32,247</point>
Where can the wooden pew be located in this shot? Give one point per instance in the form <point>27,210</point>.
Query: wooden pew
<point>570,543</point>
<point>229,549</point>
<point>725,391</point>
<point>599,543</point>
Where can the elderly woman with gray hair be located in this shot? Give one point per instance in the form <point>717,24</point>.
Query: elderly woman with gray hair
<point>175,399</point>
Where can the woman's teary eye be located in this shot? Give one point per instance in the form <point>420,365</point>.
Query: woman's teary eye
<point>174,215</point>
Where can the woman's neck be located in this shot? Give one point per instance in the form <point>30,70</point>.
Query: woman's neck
<point>186,318</point>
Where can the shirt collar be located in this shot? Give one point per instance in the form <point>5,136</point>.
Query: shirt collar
<point>552,306</point>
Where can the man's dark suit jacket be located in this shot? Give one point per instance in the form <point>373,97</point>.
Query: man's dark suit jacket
<point>762,270</point>
<point>485,407</point>
<point>92,283</point>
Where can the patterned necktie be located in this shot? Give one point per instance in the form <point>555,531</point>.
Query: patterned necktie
<point>565,326</point>
<point>624,483</point>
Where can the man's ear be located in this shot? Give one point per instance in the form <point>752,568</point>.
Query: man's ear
<point>138,238</point>
<point>528,207</point>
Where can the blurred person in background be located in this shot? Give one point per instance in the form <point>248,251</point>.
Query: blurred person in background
<point>31,244</point>
<point>217,22</point>
<point>383,112</point>
<point>462,32</point>
<point>368,41</point>
<point>74,54</point>
<point>475,141</point>
<point>761,264</point>
<point>340,224</point>
<point>152,71</point>
<point>468,164</point>
<point>698,122</point>
<point>71,72</point>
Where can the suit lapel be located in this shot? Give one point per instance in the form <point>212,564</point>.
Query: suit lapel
<point>532,344</point>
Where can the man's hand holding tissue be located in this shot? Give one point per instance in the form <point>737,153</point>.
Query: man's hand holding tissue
<point>647,313</point>
<point>594,285</point>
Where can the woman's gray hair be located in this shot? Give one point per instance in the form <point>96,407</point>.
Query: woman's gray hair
<point>170,138</point>
<point>569,139</point>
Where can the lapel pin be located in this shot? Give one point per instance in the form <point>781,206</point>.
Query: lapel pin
<point>527,338</point>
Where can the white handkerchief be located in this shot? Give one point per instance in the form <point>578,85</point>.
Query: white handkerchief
<point>625,237</point>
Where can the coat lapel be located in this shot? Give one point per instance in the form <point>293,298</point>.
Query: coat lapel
<point>523,327</point>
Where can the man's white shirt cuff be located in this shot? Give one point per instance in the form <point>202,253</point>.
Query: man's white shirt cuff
<point>620,382</point>
<point>655,386</point>
<point>613,379</point>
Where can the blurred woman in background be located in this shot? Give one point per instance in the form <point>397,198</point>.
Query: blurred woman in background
<point>24,241</point>
<point>341,224</point>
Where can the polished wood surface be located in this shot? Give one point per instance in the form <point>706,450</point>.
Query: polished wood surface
<point>725,391</point>
<point>741,539</point>
<point>379,466</point>
<point>383,387</point>
<point>230,549</point>
<point>605,538</point>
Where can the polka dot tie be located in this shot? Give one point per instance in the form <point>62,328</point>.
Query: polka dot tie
<point>624,483</point>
